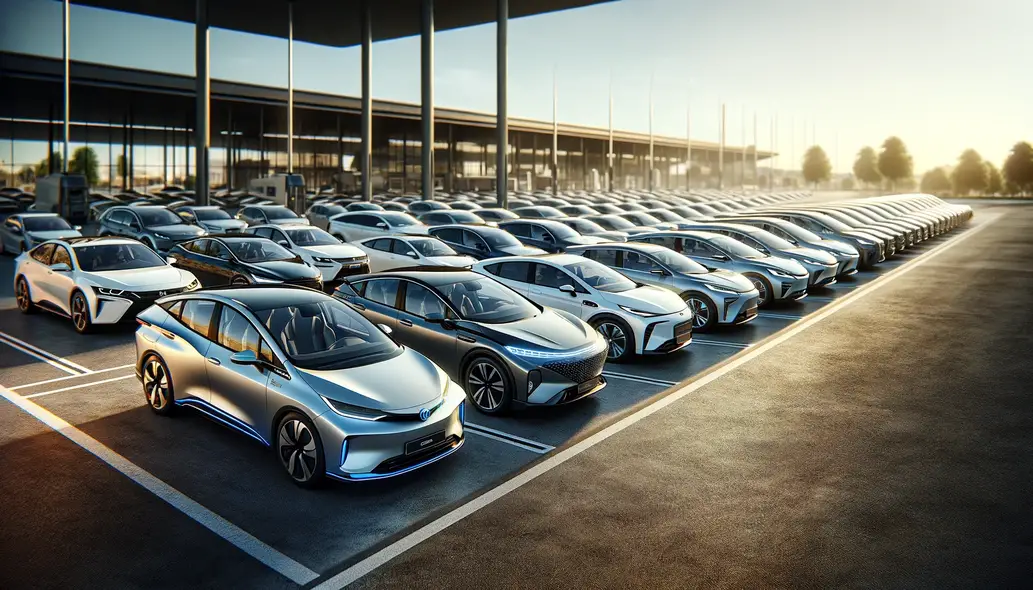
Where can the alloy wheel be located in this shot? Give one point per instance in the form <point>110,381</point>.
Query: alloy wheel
<point>297,450</point>
<point>487,385</point>
<point>761,287</point>
<point>617,340</point>
<point>80,313</point>
<point>21,295</point>
<point>156,384</point>
<point>700,312</point>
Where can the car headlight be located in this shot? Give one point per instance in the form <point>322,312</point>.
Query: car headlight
<point>110,292</point>
<point>867,243</point>
<point>639,312</point>
<point>352,411</point>
<point>780,273</point>
<point>717,289</point>
<point>161,237</point>
<point>194,285</point>
<point>264,280</point>
<point>552,354</point>
<point>322,260</point>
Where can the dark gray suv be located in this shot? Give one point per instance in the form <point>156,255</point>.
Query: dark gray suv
<point>153,225</point>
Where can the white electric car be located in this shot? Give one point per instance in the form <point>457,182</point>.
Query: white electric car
<point>634,318</point>
<point>96,280</point>
<point>402,251</point>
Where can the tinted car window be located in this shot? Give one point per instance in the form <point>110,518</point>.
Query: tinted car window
<point>43,253</point>
<point>600,277</point>
<point>33,223</point>
<point>383,291</point>
<point>236,332</point>
<point>522,230</point>
<point>159,217</point>
<point>514,271</point>
<point>639,262</point>
<point>401,247</point>
<point>258,250</point>
<point>363,220</point>
<point>218,250</point>
<point>263,232</point>
<point>449,234</point>
<point>61,256</point>
<point>607,257</point>
<point>421,302</point>
<point>485,300</point>
<point>197,246</point>
<point>197,315</point>
<point>116,257</point>
<point>550,276</point>
<point>383,244</point>
<point>279,213</point>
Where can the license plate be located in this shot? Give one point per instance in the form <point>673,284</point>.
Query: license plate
<point>415,446</point>
<point>354,265</point>
<point>751,312</point>
<point>587,386</point>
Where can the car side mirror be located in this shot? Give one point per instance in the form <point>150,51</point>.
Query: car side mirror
<point>721,257</point>
<point>412,254</point>
<point>435,317</point>
<point>660,272</point>
<point>546,238</point>
<point>77,227</point>
<point>283,243</point>
<point>382,225</point>
<point>244,357</point>
<point>569,289</point>
<point>170,259</point>
<point>61,267</point>
<point>385,328</point>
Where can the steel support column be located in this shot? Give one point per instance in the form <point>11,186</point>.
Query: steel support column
<point>290,87</point>
<point>427,98</point>
<point>366,155</point>
<point>502,89</point>
<point>65,35</point>
<point>202,131</point>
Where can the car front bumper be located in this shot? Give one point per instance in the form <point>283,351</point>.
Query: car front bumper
<point>663,334</point>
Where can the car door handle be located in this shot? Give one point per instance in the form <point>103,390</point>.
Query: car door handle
<point>407,323</point>
<point>536,292</point>
<point>214,361</point>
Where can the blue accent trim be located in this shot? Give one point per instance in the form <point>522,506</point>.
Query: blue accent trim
<point>372,476</point>
<point>462,412</point>
<point>220,416</point>
<point>344,452</point>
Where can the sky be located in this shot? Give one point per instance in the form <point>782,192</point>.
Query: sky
<point>944,75</point>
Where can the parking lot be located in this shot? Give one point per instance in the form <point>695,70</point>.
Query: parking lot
<point>726,473</point>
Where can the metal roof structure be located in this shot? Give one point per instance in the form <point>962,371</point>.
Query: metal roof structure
<point>334,23</point>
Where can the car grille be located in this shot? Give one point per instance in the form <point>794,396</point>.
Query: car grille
<point>683,332</point>
<point>400,462</point>
<point>579,370</point>
<point>152,295</point>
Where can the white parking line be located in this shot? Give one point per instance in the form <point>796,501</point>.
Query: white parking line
<point>512,439</point>
<point>639,378</point>
<point>244,541</point>
<point>71,387</point>
<point>381,557</point>
<point>738,345</point>
<point>42,354</point>
<point>56,379</point>
<point>780,316</point>
<point>37,356</point>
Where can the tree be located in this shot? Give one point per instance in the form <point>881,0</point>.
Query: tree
<point>970,173</point>
<point>1018,168</point>
<point>936,181</point>
<point>847,184</point>
<point>866,167</point>
<point>895,164</point>
<point>26,175</point>
<point>43,167</point>
<point>120,166</point>
<point>994,181</point>
<point>84,161</point>
<point>816,166</point>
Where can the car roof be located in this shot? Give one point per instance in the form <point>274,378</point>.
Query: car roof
<point>694,233</point>
<point>262,297</point>
<point>96,240</point>
<point>35,214</point>
<point>642,246</point>
<point>434,276</point>
<point>560,259</point>
<point>544,222</point>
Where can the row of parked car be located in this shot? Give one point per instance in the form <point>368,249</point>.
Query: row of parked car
<point>367,373</point>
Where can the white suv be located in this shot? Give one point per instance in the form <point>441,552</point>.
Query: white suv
<point>356,225</point>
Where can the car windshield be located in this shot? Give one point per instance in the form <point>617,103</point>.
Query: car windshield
<point>499,238</point>
<point>616,223</point>
<point>563,232</point>
<point>460,216</point>
<point>772,241</point>
<point>311,236</point>
<point>211,214</point>
<point>496,213</point>
<point>586,227</point>
<point>798,233</point>
<point>663,215</point>
<point>431,247</point>
<point>399,219</point>
<point>45,223</point>
<point>103,257</point>
<point>600,277</point>
<point>484,300</point>
<point>642,218</point>
<point>326,335</point>
<point>258,250</point>
<point>834,224</point>
<point>735,247</point>
<point>678,263</point>
<point>158,217</point>
<point>279,213</point>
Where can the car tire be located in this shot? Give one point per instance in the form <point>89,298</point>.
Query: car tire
<point>763,287</point>
<point>157,385</point>
<point>702,307</point>
<point>488,385</point>
<point>80,309</point>
<point>240,281</point>
<point>23,295</point>
<point>619,338</point>
<point>299,450</point>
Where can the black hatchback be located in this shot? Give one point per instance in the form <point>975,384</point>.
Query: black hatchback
<point>481,241</point>
<point>250,260</point>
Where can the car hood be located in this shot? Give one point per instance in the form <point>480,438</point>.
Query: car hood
<point>411,229</point>
<point>142,279</point>
<point>450,260</point>
<point>224,224</point>
<point>823,257</point>
<point>332,251</point>
<point>648,299</point>
<point>550,330</point>
<point>407,381</point>
<point>639,229</point>
<point>283,269</point>
<point>521,251</point>
<point>612,236</point>
<point>728,280</point>
<point>177,230</point>
<point>290,221</point>
<point>783,264</point>
<point>56,234</point>
<point>585,240</point>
